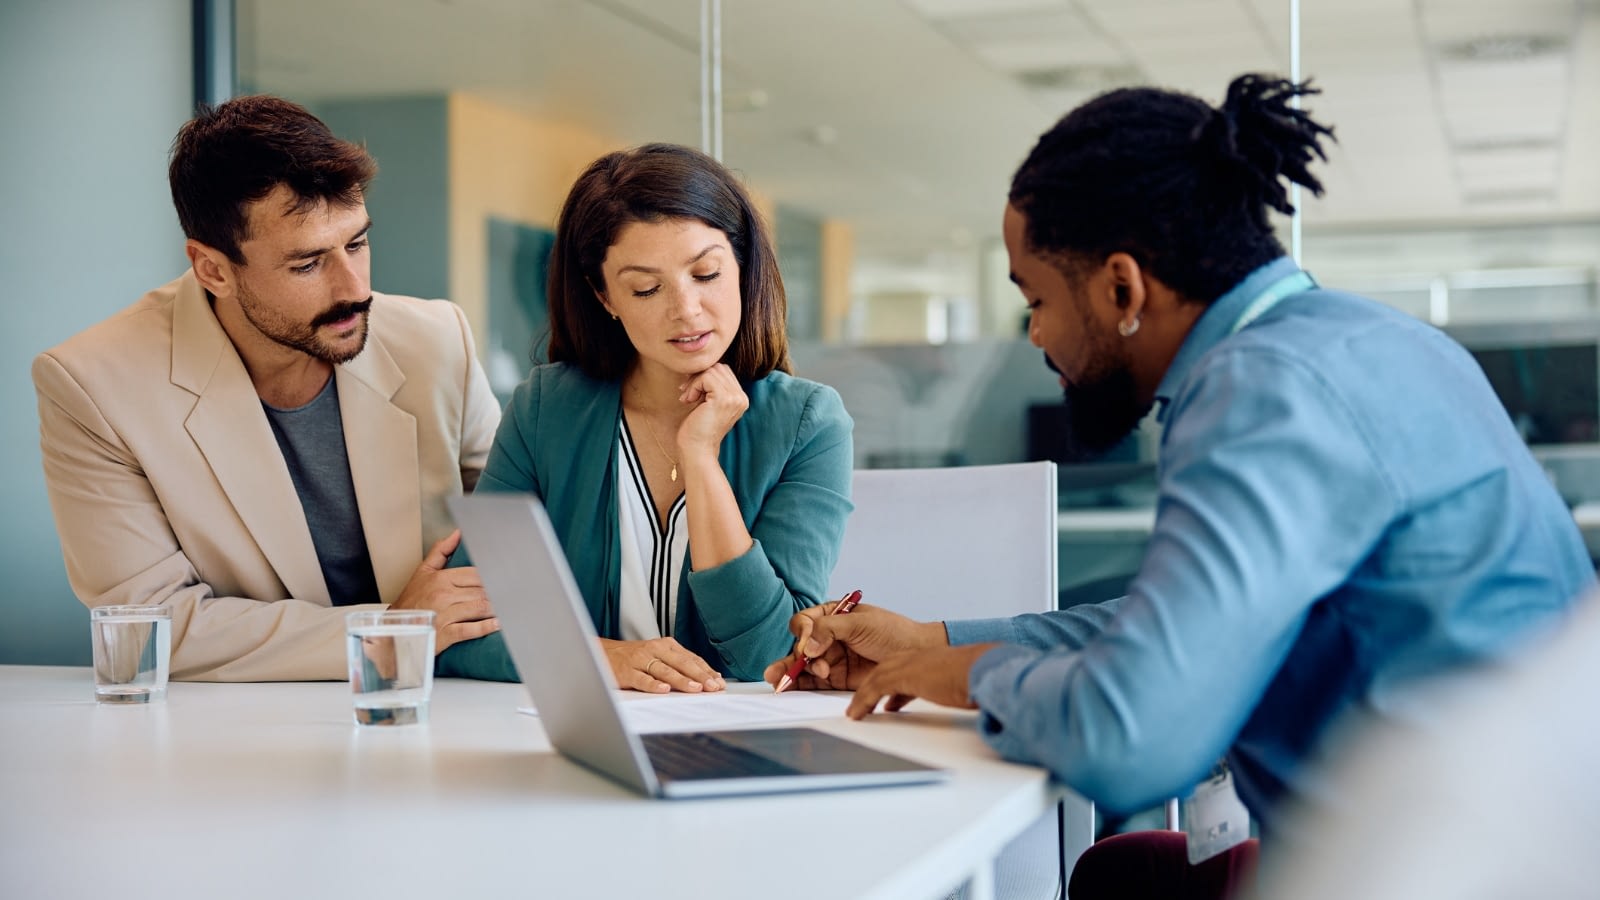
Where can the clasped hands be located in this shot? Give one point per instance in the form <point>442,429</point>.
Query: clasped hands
<point>883,656</point>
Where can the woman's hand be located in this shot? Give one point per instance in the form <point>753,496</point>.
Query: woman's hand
<point>719,401</point>
<point>658,666</point>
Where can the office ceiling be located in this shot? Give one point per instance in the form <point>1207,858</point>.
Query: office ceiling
<point>907,117</point>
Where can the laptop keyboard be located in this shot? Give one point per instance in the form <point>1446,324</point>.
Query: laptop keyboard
<point>691,756</point>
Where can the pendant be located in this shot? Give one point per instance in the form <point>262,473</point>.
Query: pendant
<point>674,474</point>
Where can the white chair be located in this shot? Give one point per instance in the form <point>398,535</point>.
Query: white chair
<point>968,542</point>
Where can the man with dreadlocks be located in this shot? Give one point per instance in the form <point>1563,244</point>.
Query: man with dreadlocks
<point>1344,505</point>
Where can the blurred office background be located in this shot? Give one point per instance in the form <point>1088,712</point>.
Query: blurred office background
<point>879,136</point>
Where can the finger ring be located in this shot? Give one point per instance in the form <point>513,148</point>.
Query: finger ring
<point>649,665</point>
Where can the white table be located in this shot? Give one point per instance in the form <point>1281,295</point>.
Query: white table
<point>269,790</point>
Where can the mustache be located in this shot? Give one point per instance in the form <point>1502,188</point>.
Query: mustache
<point>342,311</point>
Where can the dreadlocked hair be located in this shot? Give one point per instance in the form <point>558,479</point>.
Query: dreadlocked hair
<point>1163,176</point>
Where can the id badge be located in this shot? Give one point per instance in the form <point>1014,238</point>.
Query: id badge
<point>1214,818</point>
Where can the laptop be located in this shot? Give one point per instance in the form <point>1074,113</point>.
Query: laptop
<point>552,640</point>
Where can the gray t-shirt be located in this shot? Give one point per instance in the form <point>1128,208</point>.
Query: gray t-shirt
<point>312,440</point>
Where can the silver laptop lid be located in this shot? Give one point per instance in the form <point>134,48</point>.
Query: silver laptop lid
<point>547,628</point>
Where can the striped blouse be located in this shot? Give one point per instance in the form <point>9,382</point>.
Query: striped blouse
<point>652,556</point>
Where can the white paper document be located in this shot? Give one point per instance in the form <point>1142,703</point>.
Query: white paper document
<point>646,713</point>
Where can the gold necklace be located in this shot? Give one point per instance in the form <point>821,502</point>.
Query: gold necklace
<point>652,430</point>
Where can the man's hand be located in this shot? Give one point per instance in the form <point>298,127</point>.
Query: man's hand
<point>460,607</point>
<point>939,675</point>
<point>659,665</point>
<point>845,649</point>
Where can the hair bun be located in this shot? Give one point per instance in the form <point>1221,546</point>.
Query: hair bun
<point>1260,137</point>
<point>1220,133</point>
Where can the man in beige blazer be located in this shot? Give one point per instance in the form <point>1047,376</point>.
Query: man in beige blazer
<point>178,464</point>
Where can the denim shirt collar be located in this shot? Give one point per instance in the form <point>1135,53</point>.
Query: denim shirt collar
<point>1217,323</point>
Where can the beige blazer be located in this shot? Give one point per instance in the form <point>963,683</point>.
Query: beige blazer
<point>168,486</point>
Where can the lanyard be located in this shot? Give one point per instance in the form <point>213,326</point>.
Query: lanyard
<point>1267,299</point>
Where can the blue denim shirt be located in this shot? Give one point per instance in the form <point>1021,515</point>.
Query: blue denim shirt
<point>1343,506</point>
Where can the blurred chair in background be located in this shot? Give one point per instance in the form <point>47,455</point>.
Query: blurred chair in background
<point>1495,796</point>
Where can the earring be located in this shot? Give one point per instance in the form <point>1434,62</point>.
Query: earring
<point>613,317</point>
<point>1128,329</point>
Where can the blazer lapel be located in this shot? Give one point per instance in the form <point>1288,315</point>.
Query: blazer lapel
<point>598,466</point>
<point>231,430</point>
<point>574,457</point>
<point>381,441</point>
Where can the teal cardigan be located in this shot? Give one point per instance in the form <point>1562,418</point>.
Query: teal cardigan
<point>788,460</point>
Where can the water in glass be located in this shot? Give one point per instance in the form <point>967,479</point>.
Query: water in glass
<point>131,654</point>
<point>391,672</point>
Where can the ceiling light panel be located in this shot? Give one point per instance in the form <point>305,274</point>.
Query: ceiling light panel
<point>1450,21</point>
<point>1505,101</point>
<point>1504,79</point>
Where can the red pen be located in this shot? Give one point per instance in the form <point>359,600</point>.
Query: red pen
<point>843,606</point>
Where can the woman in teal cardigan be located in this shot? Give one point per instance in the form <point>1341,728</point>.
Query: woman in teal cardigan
<point>699,490</point>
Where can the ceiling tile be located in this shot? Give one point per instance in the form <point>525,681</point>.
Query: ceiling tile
<point>955,9</point>
<point>1041,53</point>
<point>1010,26</point>
<point>906,94</point>
<point>1492,164</point>
<point>1222,47</point>
<point>1199,19</point>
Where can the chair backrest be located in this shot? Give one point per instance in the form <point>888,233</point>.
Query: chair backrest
<point>952,543</point>
<point>962,543</point>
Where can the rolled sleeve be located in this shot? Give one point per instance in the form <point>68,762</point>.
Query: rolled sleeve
<point>991,684</point>
<point>1070,628</point>
<point>982,631</point>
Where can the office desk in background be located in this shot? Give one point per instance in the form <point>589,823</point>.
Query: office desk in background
<point>269,790</point>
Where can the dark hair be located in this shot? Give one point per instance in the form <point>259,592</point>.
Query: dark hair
<point>654,183</point>
<point>1180,186</point>
<point>233,154</point>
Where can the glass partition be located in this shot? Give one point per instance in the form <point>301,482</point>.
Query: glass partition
<point>880,136</point>
<point>1463,192</point>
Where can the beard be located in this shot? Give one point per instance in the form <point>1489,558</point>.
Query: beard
<point>306,337</point>
<point>1103,407</point>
